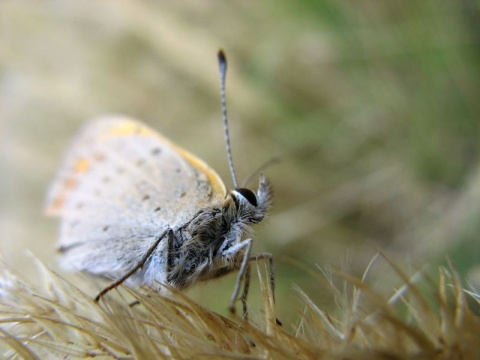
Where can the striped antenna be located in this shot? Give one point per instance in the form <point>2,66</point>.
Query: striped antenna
<point>222,64</point>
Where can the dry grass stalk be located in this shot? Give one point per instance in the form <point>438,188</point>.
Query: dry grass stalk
<point>58,320</point>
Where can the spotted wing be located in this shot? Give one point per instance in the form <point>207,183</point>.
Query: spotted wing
<point>121,185</point>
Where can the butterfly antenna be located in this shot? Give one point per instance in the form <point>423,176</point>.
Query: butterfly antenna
<point>222,64</point>
<point>268,163</point>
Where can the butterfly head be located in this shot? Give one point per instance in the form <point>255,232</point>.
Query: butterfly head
<point>252,207</point>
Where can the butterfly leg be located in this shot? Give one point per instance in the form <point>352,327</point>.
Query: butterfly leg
<point>246,285</point>
<point>245,273</point>
<point>245,270</point>
<point>136,267</point>
<point>247,244</point>
<point>246,288</point>
<point>170,252</point>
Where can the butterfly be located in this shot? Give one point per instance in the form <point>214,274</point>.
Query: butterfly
<point>137,208</point>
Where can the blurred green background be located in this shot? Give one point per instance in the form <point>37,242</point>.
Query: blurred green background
<point>374,107</point>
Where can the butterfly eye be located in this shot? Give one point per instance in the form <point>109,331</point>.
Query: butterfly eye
<point>244,194</point>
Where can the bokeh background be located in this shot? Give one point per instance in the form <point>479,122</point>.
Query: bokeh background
<point>373,106</point>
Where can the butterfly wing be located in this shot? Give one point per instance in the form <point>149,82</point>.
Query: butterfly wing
<point>121,186</point>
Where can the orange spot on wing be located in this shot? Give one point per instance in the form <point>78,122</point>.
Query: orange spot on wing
<point>82,166</point>
<point>59,201</point>
<point>130,128</point>
<point>70,184</point>
<point>57,204</point>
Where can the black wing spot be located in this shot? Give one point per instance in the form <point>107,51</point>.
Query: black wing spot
<point>157,209</point>
<point>105,228</point>
<point>146,197</point>
<point>156,151</point>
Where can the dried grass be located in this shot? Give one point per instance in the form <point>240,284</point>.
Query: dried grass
<point>56,319</point>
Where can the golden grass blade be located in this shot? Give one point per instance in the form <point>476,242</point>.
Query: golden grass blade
<point>56,320</point>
